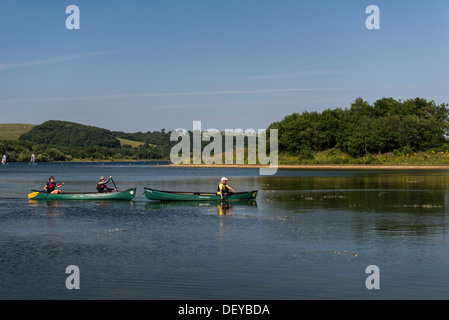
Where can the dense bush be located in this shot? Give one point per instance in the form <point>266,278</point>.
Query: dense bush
<point>365,129</point>
<point>70,134</point>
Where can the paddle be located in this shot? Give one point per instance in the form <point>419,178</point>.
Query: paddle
<point>32,195</point>
<point>114,184</point>
<point>227,196</point>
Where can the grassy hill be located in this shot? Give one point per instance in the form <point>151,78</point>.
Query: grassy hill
<point>133,144</point>
<point>12,131</point>
<point>68,141</point>
<point>70,134</point>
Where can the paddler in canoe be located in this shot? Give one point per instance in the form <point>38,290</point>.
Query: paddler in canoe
<point>223,189</point>
<point>102,185</point>
<point>51,186</point>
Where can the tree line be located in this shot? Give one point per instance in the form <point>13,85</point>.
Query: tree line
<point>70,134</point>
<point>386,126</point>
<point>21,151</point>
<point>67,141</point>
<point>382,127</point>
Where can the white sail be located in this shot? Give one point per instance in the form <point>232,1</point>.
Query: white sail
<point>4,159</point>
<point>33,158</point>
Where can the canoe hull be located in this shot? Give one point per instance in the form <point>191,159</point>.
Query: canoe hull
<point>122,195</point>
<point>153,194</point>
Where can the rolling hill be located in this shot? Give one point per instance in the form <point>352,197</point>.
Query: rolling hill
<point>56,140</point>
<point>12,131</point>
<point>70,134</point>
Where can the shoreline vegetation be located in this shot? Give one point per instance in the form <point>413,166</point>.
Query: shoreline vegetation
<point>402,166</point>
<point>318,166</point>
<point>434,158</point>
<point>399,166</point>
<point>386,134</point>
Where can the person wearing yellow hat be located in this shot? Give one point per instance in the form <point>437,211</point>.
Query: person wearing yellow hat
<point>223,188</point>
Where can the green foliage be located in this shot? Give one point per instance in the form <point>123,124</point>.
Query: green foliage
<point>363,129</point>
<point>20,151</point>
<point>305,153</point>
<point>67,141</point>
<point>403,151</point>
<point>70,134</point>
<point>160,138</point>
<point>413,130</point>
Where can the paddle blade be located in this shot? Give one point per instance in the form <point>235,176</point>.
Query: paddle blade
<point>32,195</point>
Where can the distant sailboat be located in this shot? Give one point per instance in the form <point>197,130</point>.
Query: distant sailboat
<point>4,159</point>
<point>33,159</point>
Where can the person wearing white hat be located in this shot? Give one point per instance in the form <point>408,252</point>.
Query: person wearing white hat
<point>223,188</point>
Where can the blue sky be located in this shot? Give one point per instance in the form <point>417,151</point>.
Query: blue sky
<point>147,65</point>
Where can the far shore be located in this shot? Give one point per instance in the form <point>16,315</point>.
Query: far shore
<point>280,166</point>
<point>294,166</point>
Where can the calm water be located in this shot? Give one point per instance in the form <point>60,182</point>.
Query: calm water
<point>310,235</point>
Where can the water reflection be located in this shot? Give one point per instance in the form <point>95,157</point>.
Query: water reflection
<point>310,234</point>
<point>221,207</point>
<point>225,208</point>
<point>361,200</point>
<point>376,191</point>
<point>404,204</point>
<point>52,208</point>
<point>357,180</point>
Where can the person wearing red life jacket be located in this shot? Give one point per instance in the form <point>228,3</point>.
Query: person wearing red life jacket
<point>51,186</point>
<point>102,185</point>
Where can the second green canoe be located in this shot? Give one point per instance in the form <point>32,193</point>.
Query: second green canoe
<point>153,194</point>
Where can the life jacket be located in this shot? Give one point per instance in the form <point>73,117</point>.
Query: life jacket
<point>225,188</point>
<point>101,187</point>
<point>51,186</point>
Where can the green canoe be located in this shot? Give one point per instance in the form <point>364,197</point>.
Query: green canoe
<point>153,194</point>
<point>121,195</point>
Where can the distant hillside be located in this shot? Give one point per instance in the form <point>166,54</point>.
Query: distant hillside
<point>159,138</point>
<point>12,131</point>
<point>131,143</point>
<point>70,134</point>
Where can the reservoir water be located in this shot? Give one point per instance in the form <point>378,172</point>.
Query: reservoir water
<point>310,234</point>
